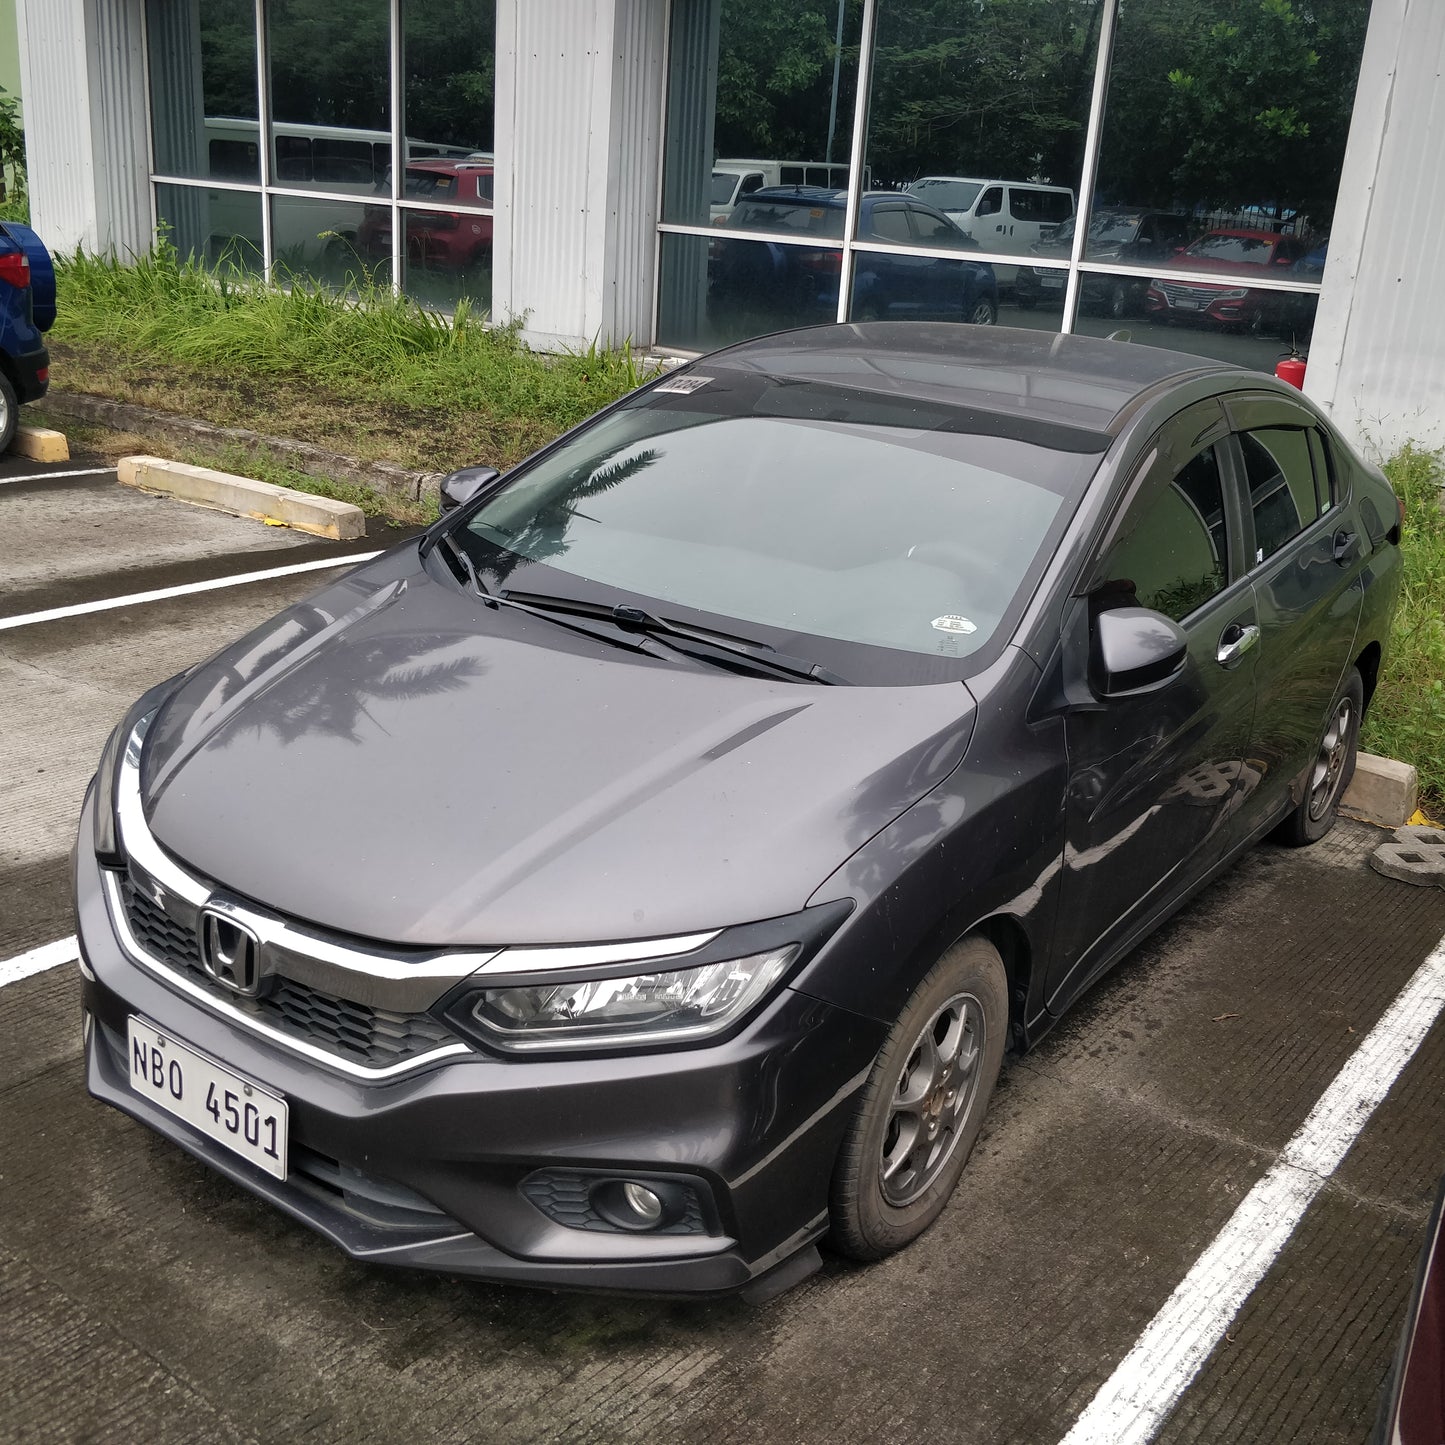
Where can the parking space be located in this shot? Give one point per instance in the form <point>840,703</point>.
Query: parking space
<point>146,1298</point>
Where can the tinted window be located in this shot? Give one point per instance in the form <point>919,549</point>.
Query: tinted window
<point>789,216</point>
<point>992,202</point>
<point>1056,206</point>
<point>891,528</point>
<point>1324,471</point>
<point>1173,551</point>
<point>1281,486</point>
<point>235,160</point>
<point>936,230</point>
<point>890,223</point>
<point>1025,205</point>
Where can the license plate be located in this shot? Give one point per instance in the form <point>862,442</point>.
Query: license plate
<point>1052,283</point>
<point>1185,305</point>
<point>247,1119</point>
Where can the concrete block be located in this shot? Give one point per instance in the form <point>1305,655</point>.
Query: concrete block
<point>40,444</point>
<point>1382,791</point>
<point>245,497</point>
<point>1415,855</point>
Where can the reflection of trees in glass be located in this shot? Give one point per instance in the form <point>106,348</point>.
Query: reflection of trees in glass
<point>543,534</point>
<point>228,57</point>
<point>450,71</point>
<point>1232,102</point>
<point>1221,102</point>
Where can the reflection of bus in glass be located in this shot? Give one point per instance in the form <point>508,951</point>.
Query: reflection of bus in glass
<point>733,180</point>
<point>340,159</point>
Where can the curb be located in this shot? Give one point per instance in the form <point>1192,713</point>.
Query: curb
<point>383,477</point>
<point>1382,791</point>
<point>321,516</point>
<point>40,444</point>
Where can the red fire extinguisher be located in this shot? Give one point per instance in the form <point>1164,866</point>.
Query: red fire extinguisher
<point>1291,368</point>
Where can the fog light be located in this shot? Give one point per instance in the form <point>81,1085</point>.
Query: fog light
<point>626,1204</point>
<point>643,1202</point>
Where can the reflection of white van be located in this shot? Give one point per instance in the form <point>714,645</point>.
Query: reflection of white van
<point>334,158</point>
<point>732,180</point>
<point>999,215</point>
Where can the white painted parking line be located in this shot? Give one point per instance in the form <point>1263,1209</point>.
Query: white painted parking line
<point>51,476</point>
<point>133,599</point>
<point>1138,1397</point>
<point>48,955</point>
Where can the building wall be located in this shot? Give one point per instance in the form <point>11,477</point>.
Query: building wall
<point>1377,359</point>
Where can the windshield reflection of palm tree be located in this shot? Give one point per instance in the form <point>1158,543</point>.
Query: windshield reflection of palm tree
<point>544,534</point>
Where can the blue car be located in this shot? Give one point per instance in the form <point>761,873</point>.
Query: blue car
<point>27,310</point>
<point>800,283</point>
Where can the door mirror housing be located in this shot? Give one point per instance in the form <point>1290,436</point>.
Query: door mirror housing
<point>460,487</point>
<point>1134,650</point>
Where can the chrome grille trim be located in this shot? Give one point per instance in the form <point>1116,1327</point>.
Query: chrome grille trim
<point>172,978</point>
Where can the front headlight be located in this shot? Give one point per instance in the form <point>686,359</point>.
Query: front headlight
<point>678,1006</point>
<point>1237,295</point>
<point>107,835</point>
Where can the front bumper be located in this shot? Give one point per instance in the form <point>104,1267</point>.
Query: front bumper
<point>427,1169</point>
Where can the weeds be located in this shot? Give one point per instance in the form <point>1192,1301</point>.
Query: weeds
<point>365,344</point>
<point>1407,713</point>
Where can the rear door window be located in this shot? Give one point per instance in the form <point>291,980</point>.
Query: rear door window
<point>1279,474</point>
<point>890,223</point>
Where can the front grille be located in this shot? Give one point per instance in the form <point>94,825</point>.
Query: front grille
<point>1199,295</point>
<point>355,1032</point>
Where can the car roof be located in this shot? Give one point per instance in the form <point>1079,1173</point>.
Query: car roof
<point>831,196</point>
<point>1059,390</point>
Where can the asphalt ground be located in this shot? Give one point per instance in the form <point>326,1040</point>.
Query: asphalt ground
<point>143,1298</point>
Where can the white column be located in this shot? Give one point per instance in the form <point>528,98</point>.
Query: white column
<point>83,73</point>
<point>1377,357</point>
<point>578,141</point>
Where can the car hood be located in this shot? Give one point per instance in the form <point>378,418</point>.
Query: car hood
<point>1209,263</point>
<point>397,761</point>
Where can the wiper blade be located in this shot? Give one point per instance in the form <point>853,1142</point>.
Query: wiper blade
<point>456,550</point>
<point>702,644</point>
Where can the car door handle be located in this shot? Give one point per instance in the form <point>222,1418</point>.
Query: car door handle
<point>1345,546</point>
<point>1235,641</point>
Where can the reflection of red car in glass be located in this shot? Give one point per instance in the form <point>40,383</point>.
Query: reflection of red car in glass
<point>449,238</point>
<point>1231,305</point>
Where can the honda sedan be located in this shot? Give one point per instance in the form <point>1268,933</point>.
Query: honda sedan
<point>642,875</point>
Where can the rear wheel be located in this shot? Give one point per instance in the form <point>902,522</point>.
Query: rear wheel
<point>1331,770</point>
<point>923,1105</point>
<point>9,412</point>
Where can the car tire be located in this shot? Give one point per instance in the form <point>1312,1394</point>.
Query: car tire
<point>983,311</point>
<point>1331,768</point>
<point>9,413</point>
<point>923,1105</point>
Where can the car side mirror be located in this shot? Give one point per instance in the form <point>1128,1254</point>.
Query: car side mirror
<point>1134,650</point>
<point>460,487</point>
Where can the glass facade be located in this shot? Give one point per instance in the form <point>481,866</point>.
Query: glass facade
<point>1165,167</point>
<point>337,88</point>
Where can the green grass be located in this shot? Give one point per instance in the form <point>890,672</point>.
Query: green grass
<point>16,208</point>
<point>1407,714</point>
<point>366,346</point>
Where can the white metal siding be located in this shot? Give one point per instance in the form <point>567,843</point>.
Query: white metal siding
<point>1377,359</point>
<point>118,127</point>
<point>55,79</point>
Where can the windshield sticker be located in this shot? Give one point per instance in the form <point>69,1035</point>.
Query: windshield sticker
<point>952,623</point>
<point>683,384</point>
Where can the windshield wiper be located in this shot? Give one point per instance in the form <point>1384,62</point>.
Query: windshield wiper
<point>700,643</point>
<point>548,614</point>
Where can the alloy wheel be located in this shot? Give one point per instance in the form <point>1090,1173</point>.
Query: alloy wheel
<point>932,1100</point>
<point>1328,773</point>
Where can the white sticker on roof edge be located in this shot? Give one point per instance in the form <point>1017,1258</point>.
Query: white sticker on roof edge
<point>953,623</point>
<point>683,384</point>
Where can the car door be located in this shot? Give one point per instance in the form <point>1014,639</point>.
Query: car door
<point>1154,778</point>
<point>888,285</point>
<point>1304,568</point>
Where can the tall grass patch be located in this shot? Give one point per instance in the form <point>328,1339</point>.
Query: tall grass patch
<point>365,342</point>
<point>1407,714</point>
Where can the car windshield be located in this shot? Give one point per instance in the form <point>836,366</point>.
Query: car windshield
<point>788,215</point>
<point>1242,250</point>
<point>724,183</point>
<point>804,508</point>
<point>1110,229</point>
<point>946,195</point>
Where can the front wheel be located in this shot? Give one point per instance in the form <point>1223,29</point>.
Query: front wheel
<point>983,312</point>
<point>923,1105</point>
<point>1331,770</point>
